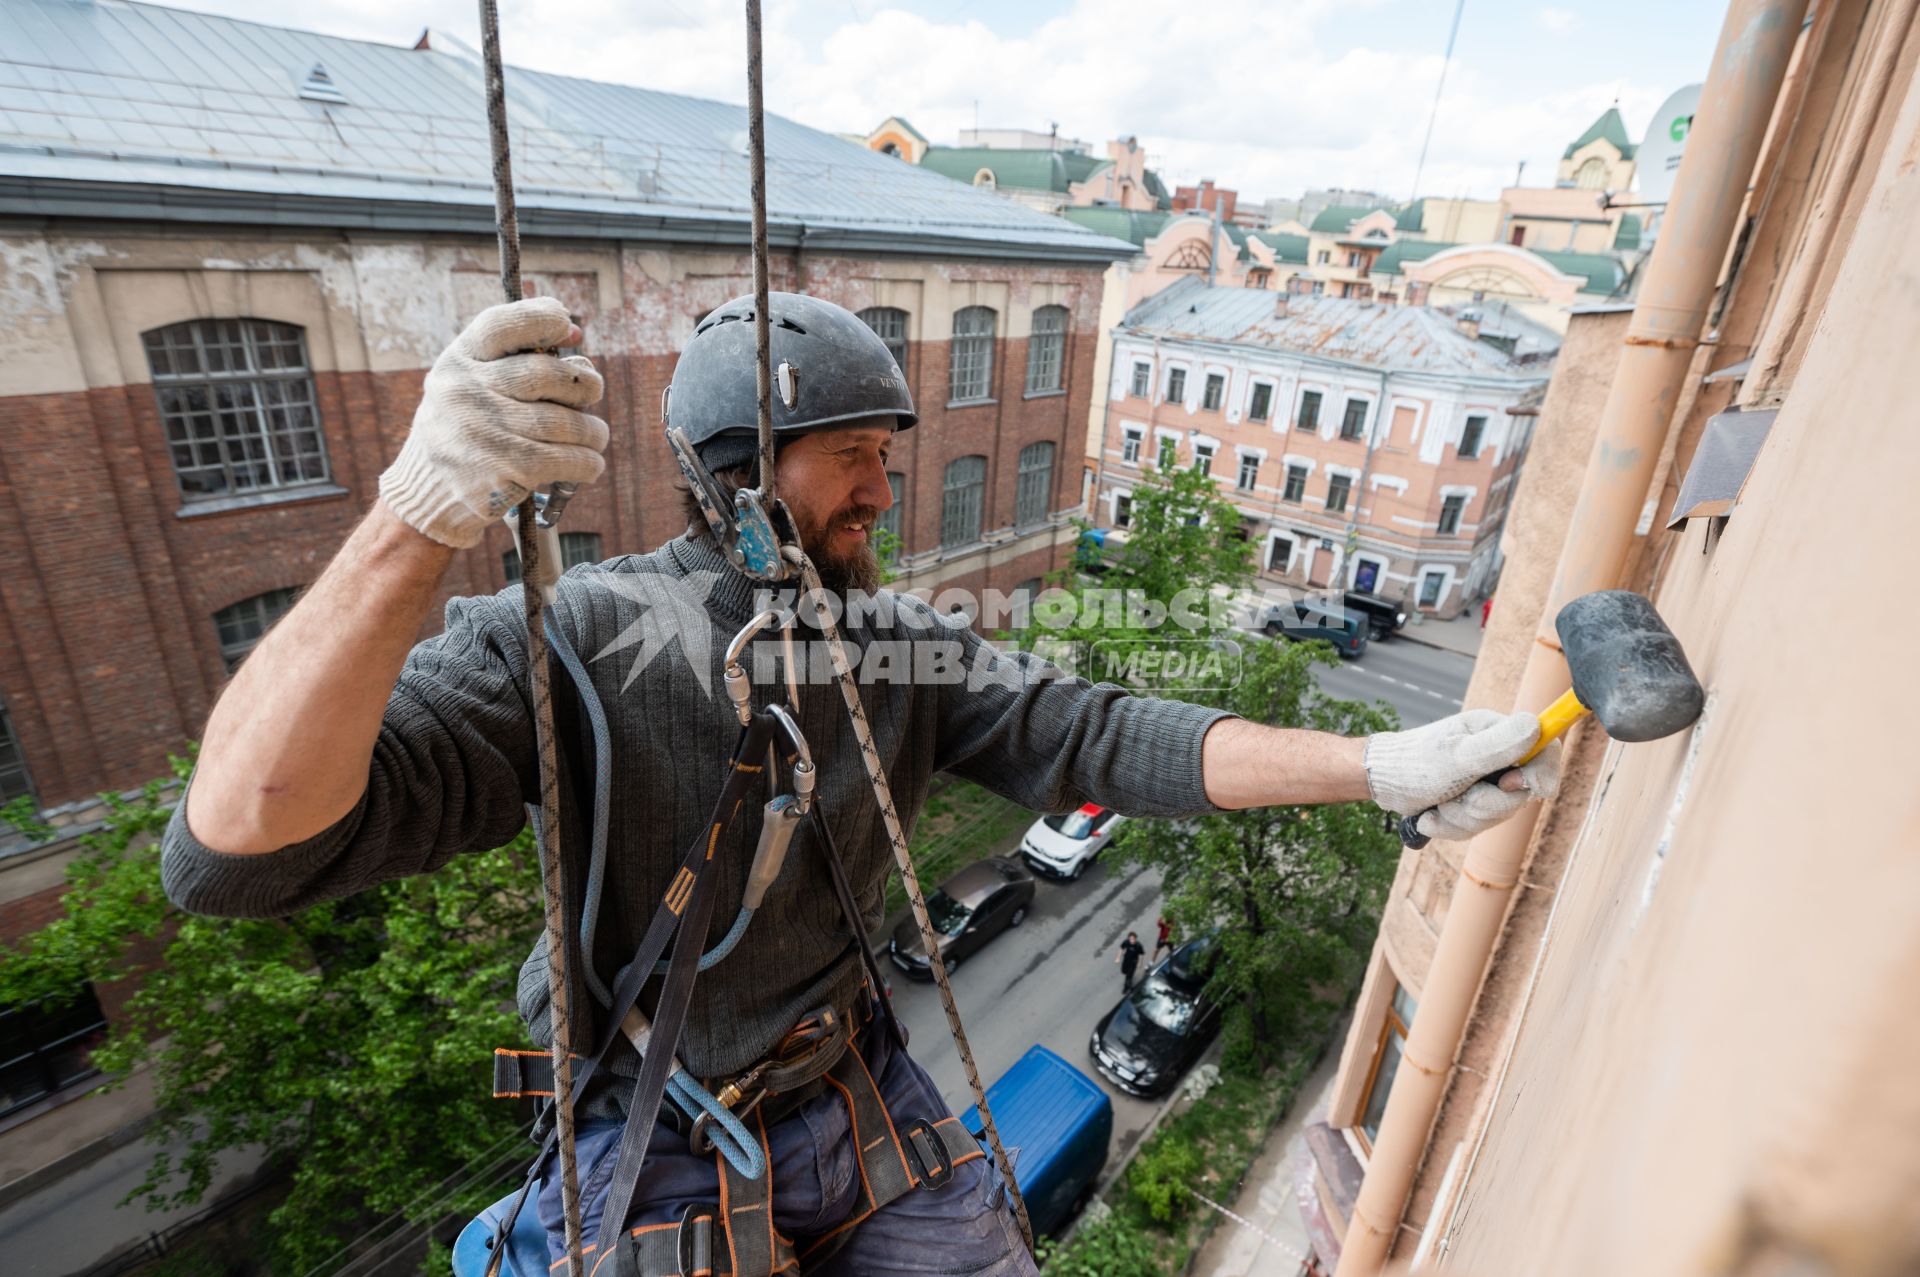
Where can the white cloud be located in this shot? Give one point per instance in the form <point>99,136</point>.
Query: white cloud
<point>1245,92</point>
<point>1555,20</point>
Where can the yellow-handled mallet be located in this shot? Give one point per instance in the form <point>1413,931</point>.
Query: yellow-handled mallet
<point>1628,671</point>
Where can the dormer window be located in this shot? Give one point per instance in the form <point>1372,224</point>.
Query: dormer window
<point>319,87</point>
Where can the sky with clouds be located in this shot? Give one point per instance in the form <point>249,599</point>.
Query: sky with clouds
<point>1269,97</point>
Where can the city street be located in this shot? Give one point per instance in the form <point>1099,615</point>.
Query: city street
<point>1423,683</point>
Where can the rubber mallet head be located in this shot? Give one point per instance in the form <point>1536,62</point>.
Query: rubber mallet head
<point>1627,666</point>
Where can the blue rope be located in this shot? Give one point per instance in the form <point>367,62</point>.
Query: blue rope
<point>727,1133</point>
<point>602,799</point>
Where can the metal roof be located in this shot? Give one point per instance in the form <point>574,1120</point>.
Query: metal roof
<point>116,109</point>
<point>1374,334</point>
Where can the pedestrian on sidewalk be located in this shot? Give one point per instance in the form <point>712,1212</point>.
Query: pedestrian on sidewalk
<point>1129,959</point>
<point>1164,940</point>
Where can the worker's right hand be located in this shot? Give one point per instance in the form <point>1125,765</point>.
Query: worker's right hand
<point>496,420</point>
<point>1441,765</point>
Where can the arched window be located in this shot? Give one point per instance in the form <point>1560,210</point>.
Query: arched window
<point>1592,175</point>
<point>237,403</point>
<point>890,148</point>
<point>1046,349</point>
<point>984,179</point>
<point>890,322</point>
<point>971,376</point>
<point>242,624</point>
<point>1036,484</point>
<point>963,500</point>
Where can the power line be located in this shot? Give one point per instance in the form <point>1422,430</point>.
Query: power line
<point>1438,89</point>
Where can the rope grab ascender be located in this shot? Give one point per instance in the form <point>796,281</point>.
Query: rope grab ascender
<point>758,536</point>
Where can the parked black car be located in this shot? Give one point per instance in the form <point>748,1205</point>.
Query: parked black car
<point>1384,617</point>
<point>1157,1031</point>
<point>969,909</point>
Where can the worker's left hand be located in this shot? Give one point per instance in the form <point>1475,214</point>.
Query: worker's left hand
<point>1441,764</point>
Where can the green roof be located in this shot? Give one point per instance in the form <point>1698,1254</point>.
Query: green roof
<point>1157,189</point>
<point>1286,248</point>
<point>1412,217</point>
<point>1603,272</point>
<point>1341,217</point>
<point>1609,126</point>
<point>1627,236</point>
<point>1022,169</point>
<point>1131,224</point>
<point>1405,250</point>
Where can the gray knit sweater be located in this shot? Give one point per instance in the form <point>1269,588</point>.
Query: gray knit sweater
<point>454,767</point>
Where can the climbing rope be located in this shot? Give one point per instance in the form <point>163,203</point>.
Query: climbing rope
<point>533,570</point>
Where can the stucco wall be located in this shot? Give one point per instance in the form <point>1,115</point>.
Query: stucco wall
<point>1714,1069</point>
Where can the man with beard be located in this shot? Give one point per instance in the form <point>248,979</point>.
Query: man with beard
<point>343,755</point>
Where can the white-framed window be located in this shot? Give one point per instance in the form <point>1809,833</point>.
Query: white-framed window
<point>1323,258</point>
<point>1295,489</point>
<point>1280,554</point>
<point>1122,510</point>
<point>1046,349</point>
<point>1353,420</point>
<point>890,323</point>
<point>1260,402</point>
<point>1433,586</point>
<point>1142,380</point>
<point>1203,458</point>
<point>1338,488</point>
<point>963,500</point>
<point>1176,385</point>
<point>242,625</point>
<point>890,517</point>
<point>1471,436</point>
<point>1214,391</point>
<point>1130,439</point>
<point>1309,415</point>
<point>971,377</point>
<point>1249,476</point>
<point>1451,508</point>
<point>1168,454</point>
<point>1035,484</point>
<point>238,406</point>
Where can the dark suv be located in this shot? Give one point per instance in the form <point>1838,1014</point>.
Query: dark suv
<point>1315,618</point>
<point>969,909</point>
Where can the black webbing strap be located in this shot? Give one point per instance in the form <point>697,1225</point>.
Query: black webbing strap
<point>676,989</point>
<point>850,910</point>
<point>687,881</point>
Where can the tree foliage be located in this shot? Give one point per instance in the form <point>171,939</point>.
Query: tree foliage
<point>1292,892</point>
<point>351,1042</point>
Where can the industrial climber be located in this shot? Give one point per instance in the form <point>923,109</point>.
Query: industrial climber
<point>344,754</point>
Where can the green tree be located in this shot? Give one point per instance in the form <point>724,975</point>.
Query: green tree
<point>1293,893</point>
<point>351,1041</point>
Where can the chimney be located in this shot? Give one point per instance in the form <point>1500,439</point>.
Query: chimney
<point>1280,305</point>
<point>1469,324</point>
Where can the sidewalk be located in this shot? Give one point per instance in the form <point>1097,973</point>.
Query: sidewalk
<point>1266,1198</point>
<point>1462,634</point>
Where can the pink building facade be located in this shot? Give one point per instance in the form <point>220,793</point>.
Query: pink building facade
<point>1365,446</point>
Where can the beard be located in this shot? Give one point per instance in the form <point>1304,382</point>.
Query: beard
<point>858,569</point>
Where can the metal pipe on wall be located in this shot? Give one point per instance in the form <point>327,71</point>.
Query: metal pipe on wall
<point>1736,104</point>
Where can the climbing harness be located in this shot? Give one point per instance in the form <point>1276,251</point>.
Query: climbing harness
<point>757,535</point>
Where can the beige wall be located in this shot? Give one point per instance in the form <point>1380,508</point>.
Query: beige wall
<point>1700,1059</point>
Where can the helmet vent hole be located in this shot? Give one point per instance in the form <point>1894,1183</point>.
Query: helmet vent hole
<point>790,326</point>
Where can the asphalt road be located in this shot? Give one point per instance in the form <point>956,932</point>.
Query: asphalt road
<point>1046,981</point>
<point>1423,683</point>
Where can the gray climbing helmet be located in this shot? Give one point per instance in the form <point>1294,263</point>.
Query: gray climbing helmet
<point>838,368</point>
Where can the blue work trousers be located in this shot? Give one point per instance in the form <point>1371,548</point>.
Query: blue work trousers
<point>966,1226</point>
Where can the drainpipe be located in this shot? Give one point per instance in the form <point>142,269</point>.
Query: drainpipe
<point>1736,104</point>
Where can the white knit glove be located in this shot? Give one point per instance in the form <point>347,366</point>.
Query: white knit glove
<point>496,421</point>
<point>1439,766</point>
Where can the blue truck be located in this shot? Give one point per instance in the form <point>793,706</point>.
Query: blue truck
<point>1061,1121</point>
<point>1058,1117</point>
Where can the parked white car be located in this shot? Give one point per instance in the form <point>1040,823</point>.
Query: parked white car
<point>1063,846</point>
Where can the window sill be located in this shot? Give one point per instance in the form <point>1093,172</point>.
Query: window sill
<point>256,500</point>
<point>1045,394</point>
<point>971,403</point>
